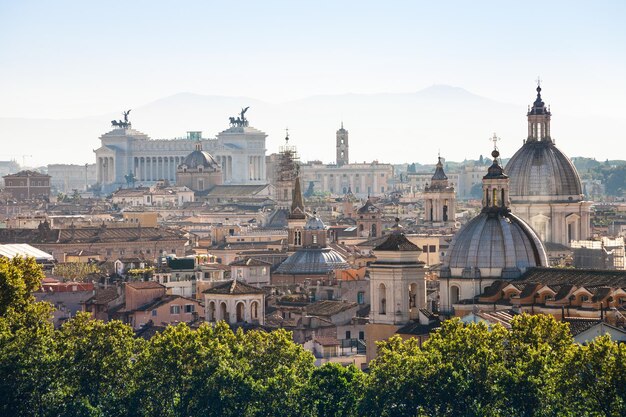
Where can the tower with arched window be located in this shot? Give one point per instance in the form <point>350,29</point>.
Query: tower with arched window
<point>342,147</point>
<point>439,199</point>
<point>235,302</point>
<point>397,280</point>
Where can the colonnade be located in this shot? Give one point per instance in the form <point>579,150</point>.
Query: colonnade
<point>105,169</point>
<point>154,168</point>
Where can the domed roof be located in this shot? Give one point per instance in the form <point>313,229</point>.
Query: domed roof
<point>314,223</point>
<point>317,261</point>
<point>497,243</point>
<point>201,158</point>
<point>539,168</point>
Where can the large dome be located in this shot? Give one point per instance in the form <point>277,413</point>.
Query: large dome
<point>199,158</point>
<point>313,261</point>
<point>539,168</point>
<point>494,244</point>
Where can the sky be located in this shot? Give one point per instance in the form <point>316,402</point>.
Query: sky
<point>73,59</point>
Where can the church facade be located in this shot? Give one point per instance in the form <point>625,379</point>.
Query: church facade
<point>127,153</point>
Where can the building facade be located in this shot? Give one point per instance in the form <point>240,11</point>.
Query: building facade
<point>362,179</point>
<point>27,185</point>
<point>129,155</point>
<point>65,178</point>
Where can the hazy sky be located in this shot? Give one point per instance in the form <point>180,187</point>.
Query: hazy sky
<point>69,59</point>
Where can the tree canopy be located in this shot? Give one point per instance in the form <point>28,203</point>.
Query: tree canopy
<point>91,368</point>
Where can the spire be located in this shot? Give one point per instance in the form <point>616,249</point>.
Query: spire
<point>297,204</point>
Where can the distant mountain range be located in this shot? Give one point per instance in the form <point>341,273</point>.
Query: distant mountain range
<point>389,127</point>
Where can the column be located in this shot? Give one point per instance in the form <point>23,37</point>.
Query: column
<point>99,170</point>
<point>111,169</point>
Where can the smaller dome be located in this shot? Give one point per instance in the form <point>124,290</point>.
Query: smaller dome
<point>314,223</point>
<point>316,261</point>
<point>199,158</point>
<point>499,244</point>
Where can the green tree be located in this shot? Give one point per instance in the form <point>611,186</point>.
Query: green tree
<point>532,354</point>
<point>592,379</point>
<point>19,277</point>
<point>334,390</point>
<point>28,354</point>
<point>96,366</point>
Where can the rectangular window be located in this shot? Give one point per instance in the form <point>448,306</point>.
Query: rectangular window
<point>360,297</point>
<point>174,309</point>
<point>189,308</point>
<point>348,335</point>
<point>362,335</point>
<point>432,249</point>
<point>154,313</point>
<point>425,248</point>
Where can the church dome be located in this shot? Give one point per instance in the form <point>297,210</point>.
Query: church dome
<point>499,244</point>
<point>315,261</point>
<point>314,223</point>
<point>496,243</point>
<point>539,168</point>
<point>200,158</point>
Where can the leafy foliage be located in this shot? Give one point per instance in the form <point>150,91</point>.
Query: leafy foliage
<point>92,368</point>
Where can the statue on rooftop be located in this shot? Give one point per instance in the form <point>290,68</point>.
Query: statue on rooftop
<point>241,120</point>
<point>122,124</point>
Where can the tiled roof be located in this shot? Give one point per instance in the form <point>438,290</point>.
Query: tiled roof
<point>327,341</point>
<point>89,235</point>
<point>397,242</point>
<point>233,287</point>
<point>417,329</point>
<point>27,173</point>
<point>103,296</point>
<point>368,207</point>
<point>235,190</point>
<point>578,325</point>
<point>164,300</point>
<point>577,277</point>
<point>143,285</point>
<point>328,307</point>
<point>250,262</point>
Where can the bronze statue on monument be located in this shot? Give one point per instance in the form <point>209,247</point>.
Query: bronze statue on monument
<point>241,120</point>
<point>122,124</point>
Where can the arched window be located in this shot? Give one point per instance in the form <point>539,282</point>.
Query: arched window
<point>211,311</point>
<point>373,231</point>
<point>455,294</point>
<point>297,238</point>
<point>241,309</point>
<point>254,310</point>
<point>223,312</point>
<point>382,297</point>
<point>413,295</point>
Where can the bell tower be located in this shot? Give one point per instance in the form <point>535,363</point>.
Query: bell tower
<point>440,198</point>
<point>296,219</point>
<point>342,146</point>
